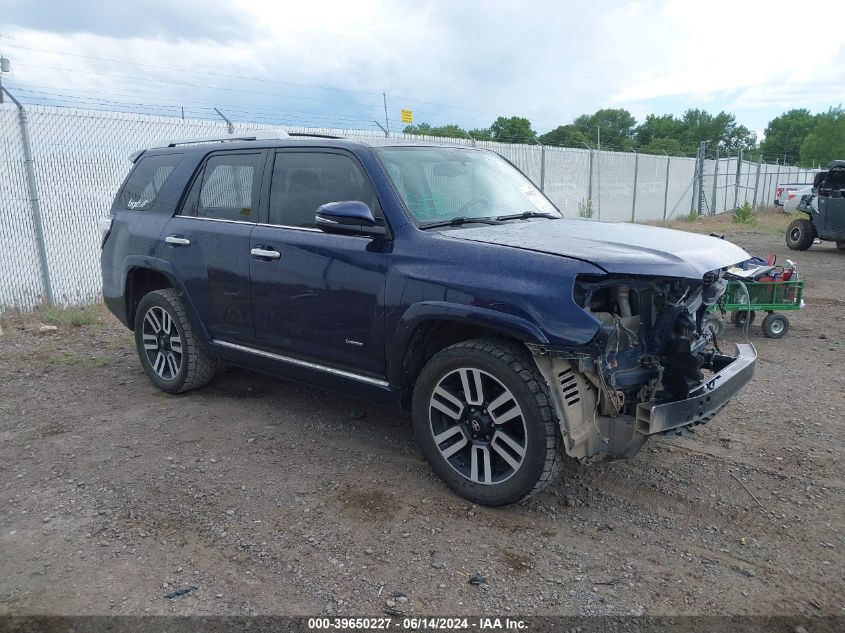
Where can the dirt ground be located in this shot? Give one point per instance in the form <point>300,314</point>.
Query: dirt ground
<point>267,497</point>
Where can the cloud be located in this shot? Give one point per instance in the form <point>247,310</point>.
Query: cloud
<point>447,61</point>
<point>181,19</point>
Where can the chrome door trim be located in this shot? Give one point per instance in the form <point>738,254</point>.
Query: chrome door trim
<point>303,363</point>
<point>265,252</point>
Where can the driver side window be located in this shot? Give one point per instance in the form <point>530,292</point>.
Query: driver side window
<point>303,181</point>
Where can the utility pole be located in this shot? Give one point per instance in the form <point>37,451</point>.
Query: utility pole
<point>386,122</point>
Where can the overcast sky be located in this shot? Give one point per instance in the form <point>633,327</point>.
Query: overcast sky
<point>327,63</point>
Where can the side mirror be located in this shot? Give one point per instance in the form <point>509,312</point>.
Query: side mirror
<point>350,217</point>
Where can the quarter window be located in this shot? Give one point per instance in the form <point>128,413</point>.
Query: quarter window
<point>303,181</point>
<point>147,180</point>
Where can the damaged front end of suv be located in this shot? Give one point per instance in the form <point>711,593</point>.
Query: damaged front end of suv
<point>652,368</point>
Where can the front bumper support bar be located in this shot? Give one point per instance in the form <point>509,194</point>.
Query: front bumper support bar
<point>705,401</point>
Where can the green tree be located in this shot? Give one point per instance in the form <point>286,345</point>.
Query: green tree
<point>515,129</point>
<point>663,127</point>
<point>451,130</point>
<point>481,134</point>
<point>617,127</point>
<point>827,140</point>
<point>658,145</point>
<point>720,130</point>
<point>566,136</point>
<point>786,133</point>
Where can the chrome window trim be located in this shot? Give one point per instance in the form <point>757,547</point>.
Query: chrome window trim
<point>303,363</point>
<point>275,226</point>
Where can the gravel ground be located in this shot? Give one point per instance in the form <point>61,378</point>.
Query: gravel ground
<point>259,496</point>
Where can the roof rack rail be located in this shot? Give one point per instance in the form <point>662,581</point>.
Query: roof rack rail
<point>258,136</point>
<point>314,135</point>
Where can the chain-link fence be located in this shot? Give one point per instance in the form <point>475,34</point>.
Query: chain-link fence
<point>52,194</point>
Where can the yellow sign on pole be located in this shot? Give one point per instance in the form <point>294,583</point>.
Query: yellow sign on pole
<point>407,116</point>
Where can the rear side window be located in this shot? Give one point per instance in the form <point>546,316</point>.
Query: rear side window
<point>146,181</point>
<point>227,189</point>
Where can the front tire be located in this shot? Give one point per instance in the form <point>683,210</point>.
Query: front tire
<point>483,418</point>
<point>800,235</point>
<point>167,345</point>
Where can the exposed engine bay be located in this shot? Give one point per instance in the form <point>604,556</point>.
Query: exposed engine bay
<point>652,348</point>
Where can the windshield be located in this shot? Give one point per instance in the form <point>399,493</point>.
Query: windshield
<point>441,184</point>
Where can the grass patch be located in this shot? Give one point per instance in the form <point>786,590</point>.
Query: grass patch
<point>99,362</point>
<point>64,359</point>
<point>74,316</point>
<point>768,220</point>
<point>745,214</point>
<point>14,320</point>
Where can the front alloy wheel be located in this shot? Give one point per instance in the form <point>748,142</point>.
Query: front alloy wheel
<point>477,426</point>
<point>483,417</point>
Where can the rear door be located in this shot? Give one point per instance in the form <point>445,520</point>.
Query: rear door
<point>318,296</point>
<point>207,242</point>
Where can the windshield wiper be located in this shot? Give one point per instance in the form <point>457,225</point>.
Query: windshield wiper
<point>458,222</point>
<point>528,214</point>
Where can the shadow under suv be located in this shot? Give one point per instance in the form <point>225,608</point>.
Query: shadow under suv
<point>437,279</point>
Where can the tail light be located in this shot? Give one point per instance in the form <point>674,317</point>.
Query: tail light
<point>104,224</point>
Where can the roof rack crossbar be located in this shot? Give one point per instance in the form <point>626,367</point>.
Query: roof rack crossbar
<point>259,136</point>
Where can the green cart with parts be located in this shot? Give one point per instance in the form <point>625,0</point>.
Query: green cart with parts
<point>743,299</point>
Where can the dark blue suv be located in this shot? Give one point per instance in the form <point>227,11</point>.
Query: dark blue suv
<point>438,279</point>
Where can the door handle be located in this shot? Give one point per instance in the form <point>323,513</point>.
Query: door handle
<point>178,241</point>
<point>267,253</point>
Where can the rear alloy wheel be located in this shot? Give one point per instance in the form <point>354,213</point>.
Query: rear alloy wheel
<point>775,326</point>
<point>483,418</point>
<point>800,235</point>
<point>168,348</point>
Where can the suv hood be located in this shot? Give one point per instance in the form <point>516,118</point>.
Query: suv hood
<point>633,249</point>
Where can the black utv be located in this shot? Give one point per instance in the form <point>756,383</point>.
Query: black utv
<point>825,208</point>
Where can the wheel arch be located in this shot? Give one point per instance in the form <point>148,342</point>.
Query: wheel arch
<point>427,328</point>
<point>142,278</point>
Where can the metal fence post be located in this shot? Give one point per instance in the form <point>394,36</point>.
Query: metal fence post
<point>757,181</point>
<point>542,167</point>
<point>738,175</point>
<point>229,126</point>
<point>715,182</point>
<point>34,202</point>
<point>636,178</point>
<point>666,188</point>
<point>590,185</point>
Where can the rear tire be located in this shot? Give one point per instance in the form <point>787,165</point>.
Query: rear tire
<point>775,326</point>
<point>167,345</point>
<point>486,452</point>
<point>800,235</point>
